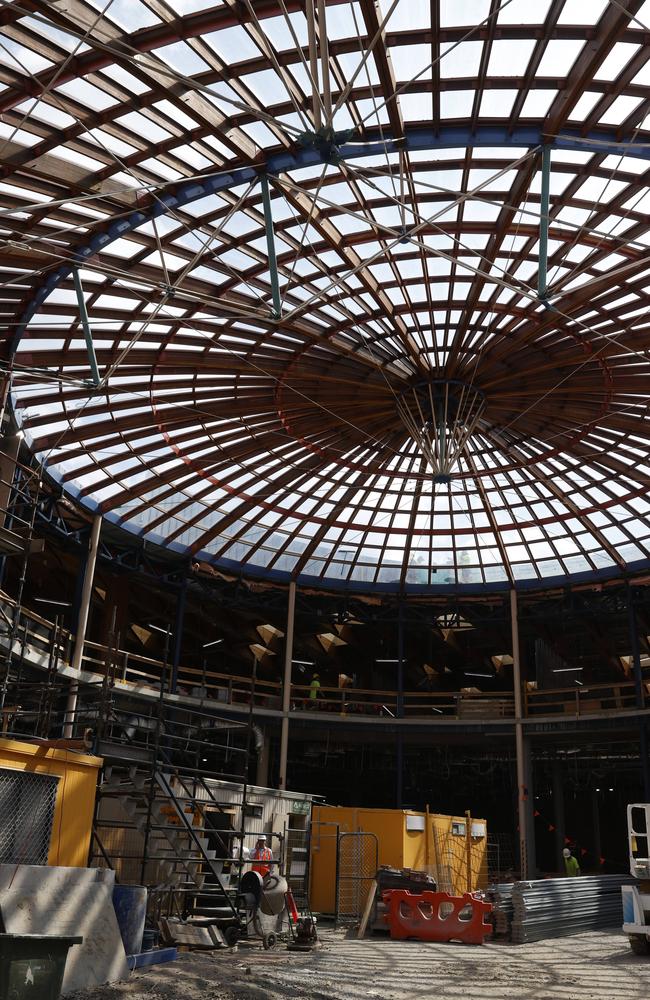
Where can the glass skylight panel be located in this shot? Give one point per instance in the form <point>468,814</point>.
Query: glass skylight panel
<point>525,12</point>
<point>463,12</point>
<point>621,109</point>
<point>232,44</point>
<point>345,21</point>
<point>21,59</point>
<point>582,11</point>
<point>537,103</point>
<point>456,103</point>
<point>559,56</point>
<point>410,60</point>
<point>619,57</point>
<point>642,78</point>
<point>509,57</point>
<point>87,94</point>
<point>142,126</point>
<point>461,59</point>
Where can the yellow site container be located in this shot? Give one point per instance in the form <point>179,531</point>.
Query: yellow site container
<point>75,796</point>
<point>437,844</point>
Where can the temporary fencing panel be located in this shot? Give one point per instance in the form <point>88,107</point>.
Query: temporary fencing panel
<point>357,860</point>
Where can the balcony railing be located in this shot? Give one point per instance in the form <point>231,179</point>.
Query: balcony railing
<point>144,672</point>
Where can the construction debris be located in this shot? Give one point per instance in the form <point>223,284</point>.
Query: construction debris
<point>191,934</point>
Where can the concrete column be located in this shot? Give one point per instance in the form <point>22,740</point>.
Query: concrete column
<point>82,623</point>
<point>522,785</point>
<point>558,814</point>
<point>286,685</point>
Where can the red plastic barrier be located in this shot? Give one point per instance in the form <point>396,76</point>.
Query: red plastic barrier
<point>417,915</point>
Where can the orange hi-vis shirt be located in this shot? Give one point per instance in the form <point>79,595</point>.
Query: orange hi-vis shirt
<point>262,854</point>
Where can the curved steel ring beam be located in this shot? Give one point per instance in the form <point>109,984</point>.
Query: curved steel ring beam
<point>415,139</point>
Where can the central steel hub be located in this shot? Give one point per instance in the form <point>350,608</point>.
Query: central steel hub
<point>440,415</point>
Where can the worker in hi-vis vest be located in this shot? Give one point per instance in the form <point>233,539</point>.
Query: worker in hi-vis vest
<point>261,854</point>
<point>570,863</point>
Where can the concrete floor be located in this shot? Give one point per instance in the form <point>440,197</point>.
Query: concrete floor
<point>591,966</point>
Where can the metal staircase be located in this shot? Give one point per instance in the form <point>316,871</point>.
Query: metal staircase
<point>168,841</point>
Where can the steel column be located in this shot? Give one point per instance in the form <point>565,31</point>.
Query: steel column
<point>638,690</point>
<point>9,448</point>
<point>558,814</point>
<point>399,742</point>
<point>85,323</point>
<point>286,685</point>
<point>82,623</point>
<point>270,245</point>
<point>522,787</point>
<point>543,224</point>
<point>595,823</point>
<point>529,803</point>
<point>178,634</point>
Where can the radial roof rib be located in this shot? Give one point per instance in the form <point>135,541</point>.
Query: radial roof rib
<point>609,29</point>
<point>409,546</point>
<point>490,514</point>
<point>370,9</point>
<point>353,261</point>
<point>504,222</point>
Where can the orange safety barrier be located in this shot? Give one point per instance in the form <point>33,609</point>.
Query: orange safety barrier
<point>417,915</point>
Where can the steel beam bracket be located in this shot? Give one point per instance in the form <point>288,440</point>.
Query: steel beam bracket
<point>327,142</point>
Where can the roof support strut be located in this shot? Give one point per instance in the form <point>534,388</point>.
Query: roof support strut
<point>543,224</point>
<point>270,244</point>
<point>83,316</point>
<point>313,63</point>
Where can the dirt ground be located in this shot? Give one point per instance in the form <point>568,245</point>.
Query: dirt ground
<point>596,965</point>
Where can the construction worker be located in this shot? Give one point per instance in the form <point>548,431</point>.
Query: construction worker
<point>570,863</point>
<point>314,688</point>
<point>261,853</point>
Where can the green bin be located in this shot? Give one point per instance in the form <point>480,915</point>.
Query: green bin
<point>32,965</point>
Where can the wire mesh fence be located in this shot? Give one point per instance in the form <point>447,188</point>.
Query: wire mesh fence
<point>356,867</point>
<point>500,858</point>
<point>27,804</point>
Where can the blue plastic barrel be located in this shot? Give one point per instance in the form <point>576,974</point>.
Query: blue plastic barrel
<point>130,904</point>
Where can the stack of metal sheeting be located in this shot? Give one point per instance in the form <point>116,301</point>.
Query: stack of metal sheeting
<point>500,895</point>
<point>558,907</point>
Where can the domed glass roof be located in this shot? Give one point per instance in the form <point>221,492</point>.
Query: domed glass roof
<point>367,284</point>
